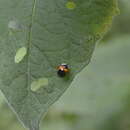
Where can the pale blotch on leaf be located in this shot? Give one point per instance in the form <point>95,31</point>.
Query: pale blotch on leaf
<point>37,84</point>
<point>15,25</point>
<point>70,5</point>
<point>20,54</point>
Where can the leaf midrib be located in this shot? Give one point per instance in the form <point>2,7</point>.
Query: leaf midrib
<point>29,43</point>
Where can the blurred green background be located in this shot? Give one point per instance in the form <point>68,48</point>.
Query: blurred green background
<point>99,97</point>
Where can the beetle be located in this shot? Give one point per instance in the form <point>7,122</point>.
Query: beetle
<point>63,69</point>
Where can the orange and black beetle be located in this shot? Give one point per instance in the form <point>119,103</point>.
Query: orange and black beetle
<point>63,69</point>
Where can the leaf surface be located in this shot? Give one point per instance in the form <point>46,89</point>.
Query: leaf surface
<point>101,91</point>
<point>51,33</point>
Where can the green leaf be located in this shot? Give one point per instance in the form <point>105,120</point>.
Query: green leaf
<point>49,34</point>
<point>101,92</point>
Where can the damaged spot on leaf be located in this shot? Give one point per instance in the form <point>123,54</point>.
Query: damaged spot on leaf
<point>37,84</point>
<point>70,5</point>
<point>15,25</point>
<point>20,54</point>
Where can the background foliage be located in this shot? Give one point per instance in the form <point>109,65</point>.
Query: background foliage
<point>99,97</point>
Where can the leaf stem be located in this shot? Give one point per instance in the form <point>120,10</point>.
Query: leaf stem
<point>34,129</point>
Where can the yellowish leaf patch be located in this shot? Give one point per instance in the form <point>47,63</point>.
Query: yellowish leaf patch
<point>70,5</point>
<point>37,84</point>
<point>20,54</point>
